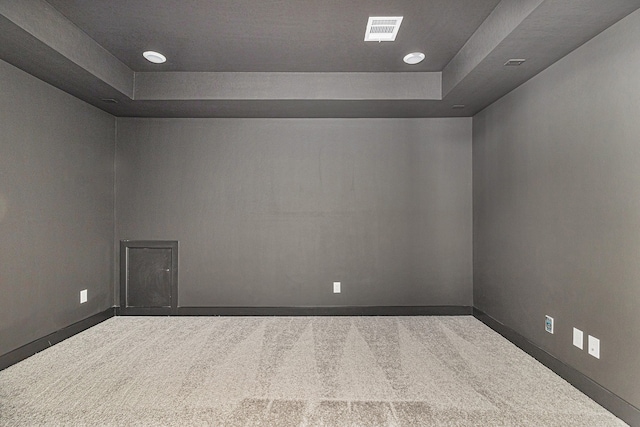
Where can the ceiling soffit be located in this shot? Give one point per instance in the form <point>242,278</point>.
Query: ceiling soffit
<point>540,30</point>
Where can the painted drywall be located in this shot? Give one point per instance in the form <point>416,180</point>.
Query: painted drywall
<point>56,208</point>
<point>556,204</point>
<point>270,212</point>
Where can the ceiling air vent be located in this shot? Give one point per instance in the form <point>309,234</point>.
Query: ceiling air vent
<point>382,28</point>
<point>514,62</point>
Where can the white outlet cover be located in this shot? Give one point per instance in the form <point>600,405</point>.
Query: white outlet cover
<point>83,296</point>
<point>594,347</point>
<point>548,324</point>
<point>336,287</point>
<point>578,338</point>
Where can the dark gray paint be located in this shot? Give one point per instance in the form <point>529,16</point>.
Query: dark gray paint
<point>557,211</point>
<point>271,212</point>
<point>42,22</point>
<point>505,18</point>
<point>34,56</point>
<point>286,109</point>
<point>49,46</point>
<point>56,209</point>
<point>548,33</point>
<point>276,36</point>
<point>288,86</point>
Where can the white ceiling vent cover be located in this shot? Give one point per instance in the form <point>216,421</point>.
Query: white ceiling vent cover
<point>382,28</point>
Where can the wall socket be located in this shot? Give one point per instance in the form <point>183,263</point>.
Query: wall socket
<point>548,324</point>
<point>83,296</point>
<point>336,287</point>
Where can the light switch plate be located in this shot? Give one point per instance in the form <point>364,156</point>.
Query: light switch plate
<point>336,287</point>
<point>594,347</point>
<point>578,338</point>
<point>83,296</point>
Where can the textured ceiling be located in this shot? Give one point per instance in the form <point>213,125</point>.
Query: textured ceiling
<point>276,35</point>
<point>294,58</point>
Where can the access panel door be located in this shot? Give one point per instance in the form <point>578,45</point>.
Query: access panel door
<point>148,273</point>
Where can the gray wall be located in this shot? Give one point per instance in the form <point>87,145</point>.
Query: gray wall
<point>557,207</point>
<point>269,212</point>
<point>56,208</point>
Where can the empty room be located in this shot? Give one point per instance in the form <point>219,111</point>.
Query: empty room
<point>319,213</point>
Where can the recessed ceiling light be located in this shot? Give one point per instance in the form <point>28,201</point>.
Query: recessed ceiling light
<point>414,58</point>
<point>155,57</point>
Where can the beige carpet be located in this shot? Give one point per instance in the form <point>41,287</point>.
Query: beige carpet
<point>290,371</point>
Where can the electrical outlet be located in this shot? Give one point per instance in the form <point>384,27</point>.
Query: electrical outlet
<point>594,347</point>
<point>83,296</point>
<point>336,287</point>
<point>578,338</point>
<point>548,324</point>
